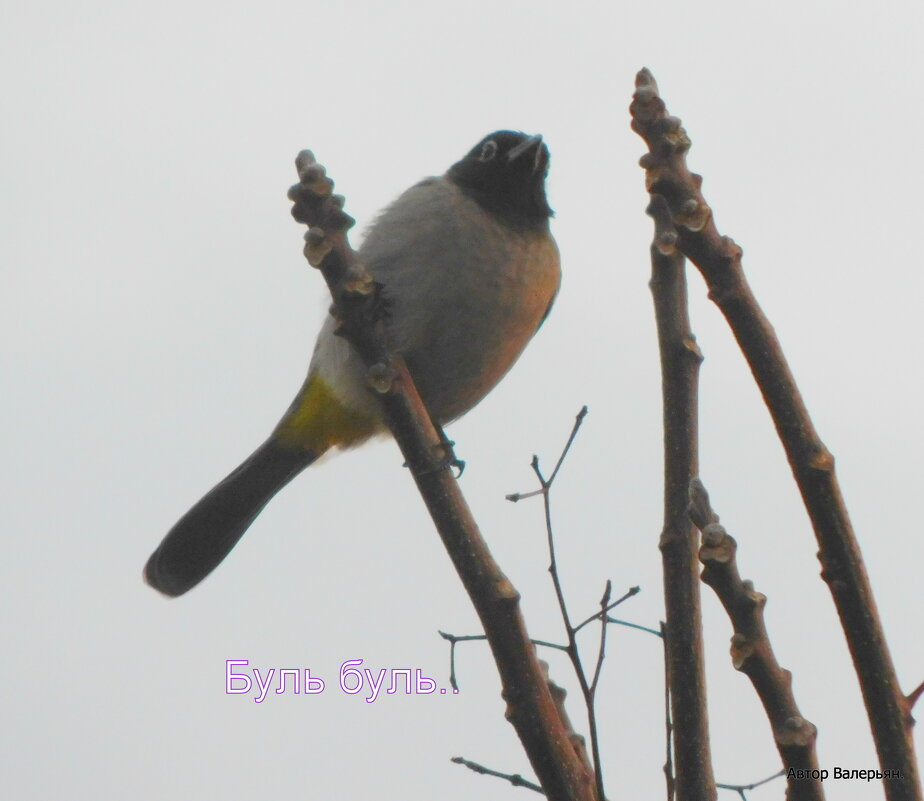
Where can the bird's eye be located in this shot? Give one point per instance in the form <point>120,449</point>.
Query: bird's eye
<point>488,150</point>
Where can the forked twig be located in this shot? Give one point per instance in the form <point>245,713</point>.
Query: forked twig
<point>741,789</point>
<point>588,689</point>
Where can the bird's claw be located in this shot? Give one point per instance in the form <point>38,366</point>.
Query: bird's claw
<point>448,459</point>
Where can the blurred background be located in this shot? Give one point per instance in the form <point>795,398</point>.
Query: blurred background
<point>158,316</point>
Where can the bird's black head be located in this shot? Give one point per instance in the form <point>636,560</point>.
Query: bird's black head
<point>505,174</point>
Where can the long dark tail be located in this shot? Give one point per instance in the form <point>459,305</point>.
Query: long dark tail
<point>205,535</point>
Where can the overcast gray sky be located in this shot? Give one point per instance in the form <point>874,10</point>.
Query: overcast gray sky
<point>158,317</point>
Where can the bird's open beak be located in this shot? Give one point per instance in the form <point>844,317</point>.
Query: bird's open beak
<point>520,149</point>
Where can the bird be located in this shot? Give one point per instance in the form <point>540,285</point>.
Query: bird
<point>468,269</point>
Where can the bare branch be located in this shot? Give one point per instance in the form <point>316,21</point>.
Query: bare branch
<point>601,651</point>
<point>579,418</point>
<point>572,649</point>
<point>719,260</point>
<point>558,693</point>
<point>530,707</point>
<point>453,639</point>
<point>514,778</point>
<point>742,788</point>
<point>629,593</point>
<point>577,740</point>
<point>914,695</point>
<point>680,360</point>
<point>668,725</point>
<point>555,645</point>
<point>751,651</point>
<point>638,626</point>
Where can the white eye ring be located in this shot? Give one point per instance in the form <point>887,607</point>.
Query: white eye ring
<point>488,150</point>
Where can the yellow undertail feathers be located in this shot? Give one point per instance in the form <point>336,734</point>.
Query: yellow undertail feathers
<point>319,420</point>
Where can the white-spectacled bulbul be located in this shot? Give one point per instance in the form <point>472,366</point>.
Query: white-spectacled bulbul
<point>469,271</point>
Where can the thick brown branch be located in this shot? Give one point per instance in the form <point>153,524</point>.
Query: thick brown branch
<point>680,360</point>
<point>751,651</point>
<point>719,260</point>
<point>530,707</point>
<point>559,694</point>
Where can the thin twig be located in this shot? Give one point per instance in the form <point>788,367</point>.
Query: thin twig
<point>668,726</point>
<point>577,425</point>
<point>601,651</point>
<point>719,260</point>
<point>572,651</point>
<point>453,639</point>
<point>357,303</point>
<point>587,689</point>
<point>514,778</point>
<point>602,613</point>
<point>752,653</point>
<point>555,645</point>
<point>742,788</point>
<point>914,695</point>
<point>558,693</point>
<point>456,638</point>
<point>638,626</point>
